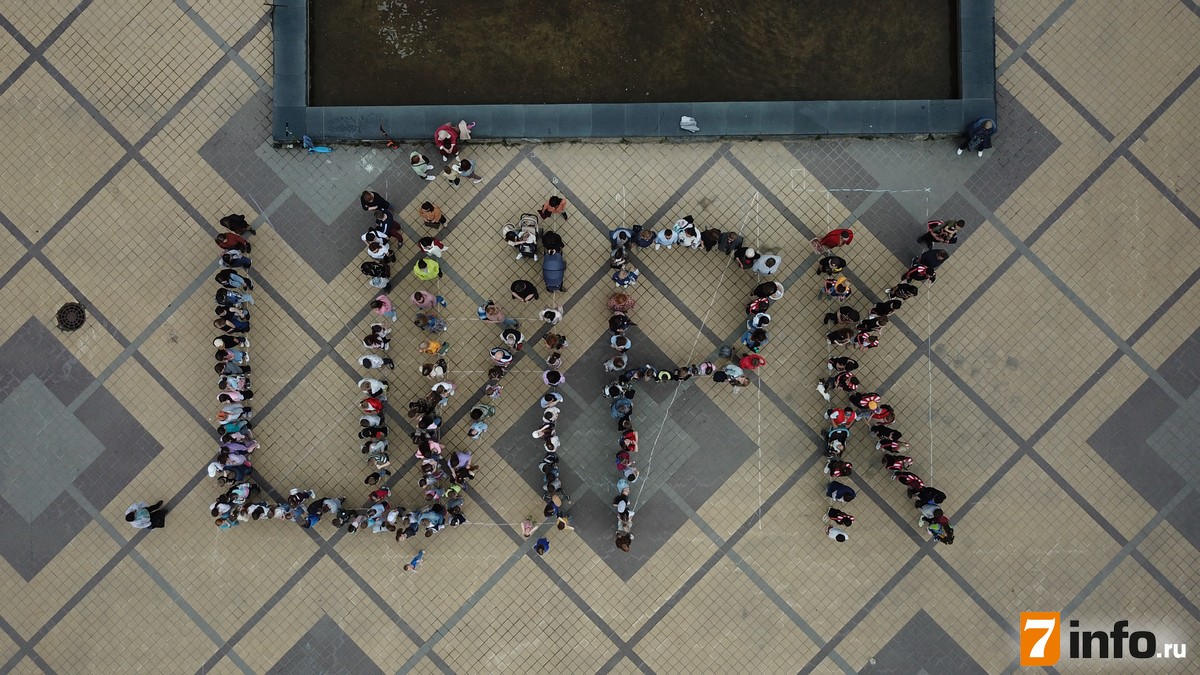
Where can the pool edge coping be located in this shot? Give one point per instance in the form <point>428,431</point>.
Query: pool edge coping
<point>635,121</point>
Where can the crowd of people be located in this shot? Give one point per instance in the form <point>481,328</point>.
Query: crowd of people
<point>737,361</point>
<point>865,405</point>
<point>232,466</point>
<point>533,238</point>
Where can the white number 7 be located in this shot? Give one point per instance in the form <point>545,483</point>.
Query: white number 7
<point>1039,648</point>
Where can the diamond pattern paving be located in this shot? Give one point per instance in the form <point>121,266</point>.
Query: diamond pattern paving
<point>1064,385</point>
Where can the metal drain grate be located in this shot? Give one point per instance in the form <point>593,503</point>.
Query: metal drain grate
<point>71,316</point>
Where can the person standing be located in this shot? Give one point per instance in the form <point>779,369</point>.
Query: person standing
<point>941,232</point>
<point>542,546</point>
<point>420,165</point>
<point>373,201</point>
<point>427,269</point>
<point>415,562</point>
<point>552,206</point>
<point>840,493</point>
<point>145,517</point>
<point>832,240</point>
<point>836,533</point>
<point>979,136</point>
<point>432,215</point>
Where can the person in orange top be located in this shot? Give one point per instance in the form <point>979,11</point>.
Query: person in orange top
<point>553,205</point>
<point>432,215</point>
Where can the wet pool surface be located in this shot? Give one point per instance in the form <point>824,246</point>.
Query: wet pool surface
<point>438,52</point>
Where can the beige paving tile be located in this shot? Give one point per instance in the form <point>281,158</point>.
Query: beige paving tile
<point>12,54</point>
<point>31,604</point>
<point>1020,19</point>
<point>1130,593</point>
<point>174,151</point>
<point>627,605</point>
<point>186,446</point>
<point>927,588</point>
<point>1169,153</point>
<point>989,345</point>
<point>200,571</point>
<point>955,445</point>
<point>1086,51</point>
<point>133,80</point>
<point>96,635</point>
<point>229,18</point>
<point>720,626</point>
<point>1080,151</point>
<point>1148,232</point>
<point>1168,551</point>
<point>792,530</point>
<point>8,648</point>
<point>38,294</point>
<point>457,562</point>
<point>1016,567</point>
<point>260,54</point>
<point>1066,448</point>
<point>62,134</point>
<point>27,666</point>
<point>325,591</point>
<point>170,256</point>
<point>37,20</point>
<point>1170,330</point>
<point>506,631</point>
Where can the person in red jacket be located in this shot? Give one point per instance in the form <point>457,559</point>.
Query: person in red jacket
<point>833,239</point>
<point>751,362</point>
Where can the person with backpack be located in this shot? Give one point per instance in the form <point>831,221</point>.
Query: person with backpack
<point>941,232</point>
<point>838,517</point>
<point>379,273</point>
<point>831,265</point>
<point>846,381</point>
<point>901,291</point>
<point>919,272</point>
<point>844,314</point>
<point>373,201</point>
<point>926,495</point>
<point>236,223</point>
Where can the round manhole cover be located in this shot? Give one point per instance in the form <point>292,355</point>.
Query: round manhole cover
<point>71,316</point>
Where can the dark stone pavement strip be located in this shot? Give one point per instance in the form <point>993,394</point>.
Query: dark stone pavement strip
<point>921,645</point>
<point>325,648</point>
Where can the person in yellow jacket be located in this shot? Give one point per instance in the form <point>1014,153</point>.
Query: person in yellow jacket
<point>427,269</point>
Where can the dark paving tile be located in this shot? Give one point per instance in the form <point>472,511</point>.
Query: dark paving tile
<point>46,447</point>
<point>1025,144</point>
<point>106,449</point>
<point>922,646</point>
<point>326,248</point>
<point>325,649</point>
<point>1147,441</point>
<point>29,547</point>
<point>893,226</point>
<point>230,152</point>
<point>128,447</point>
<point>831,163</point>
<point>654,523</point>
<point>695,450</point>
<point>33,350</point>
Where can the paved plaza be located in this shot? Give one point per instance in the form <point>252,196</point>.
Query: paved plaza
<point>1048,382</point>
